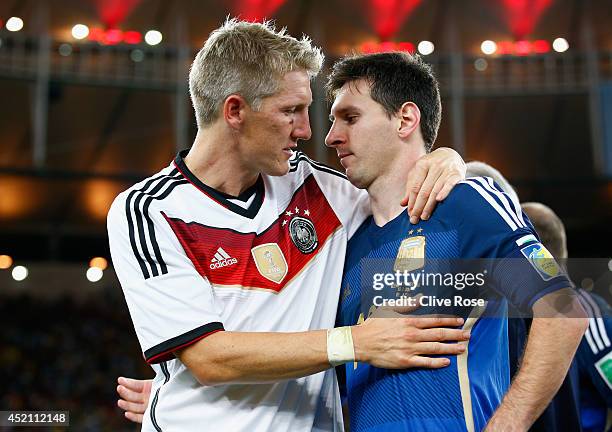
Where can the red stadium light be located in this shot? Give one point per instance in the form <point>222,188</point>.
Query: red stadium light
<point>132,37</point>
<point>114,36</point>
<point>97,35</point>
<point>541,46</point>
<point>371,47</point>
<point>387,47</point>
<point>523,47</point>
<point>114,12</point>
<point>387,16</point>
<point>523,15</point>
<point>406,47</point>
<point>255,10</point>
<point>505,47</point>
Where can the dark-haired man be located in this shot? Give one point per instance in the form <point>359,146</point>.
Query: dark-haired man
<point>386,112</point>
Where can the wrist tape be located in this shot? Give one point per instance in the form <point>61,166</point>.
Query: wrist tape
<point>340,347</point>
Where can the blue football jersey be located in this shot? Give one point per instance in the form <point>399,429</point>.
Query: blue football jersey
<point>475,221</point>
<point>594,358</point>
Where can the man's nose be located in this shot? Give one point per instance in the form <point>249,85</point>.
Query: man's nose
<point>334,136</point>
<point>302,127</point>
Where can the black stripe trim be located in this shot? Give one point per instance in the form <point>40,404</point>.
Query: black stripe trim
<point>153,263</point>
<point>293,164</point>
<point>185,339</point>
<point>244,196</point>
<point>153,238</point>
<point>153,406</point>
<point>139,222</point>
<point>166,373</point>
<point>128,214</point>
<point>222,198</point>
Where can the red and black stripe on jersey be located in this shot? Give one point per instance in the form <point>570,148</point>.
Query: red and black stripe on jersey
<point>143,240</point>
<point>201,242</point>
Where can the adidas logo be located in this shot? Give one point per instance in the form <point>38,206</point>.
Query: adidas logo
<point>222,259</point>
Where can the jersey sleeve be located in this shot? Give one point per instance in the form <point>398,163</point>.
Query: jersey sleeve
<point>595,351</point>
<point>171,305</point>
<point>351,205</point>
<point>491,225</point>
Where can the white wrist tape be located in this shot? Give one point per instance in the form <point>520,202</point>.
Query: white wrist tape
<point>340,347</point>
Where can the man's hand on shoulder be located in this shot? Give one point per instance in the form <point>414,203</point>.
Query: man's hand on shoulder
<point>431,180</point>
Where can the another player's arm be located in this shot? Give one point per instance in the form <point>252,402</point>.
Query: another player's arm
<point>551,345</point>
<point>397,343</point>
<point>429,181</point>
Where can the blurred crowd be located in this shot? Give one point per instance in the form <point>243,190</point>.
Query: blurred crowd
<point>60,355</point>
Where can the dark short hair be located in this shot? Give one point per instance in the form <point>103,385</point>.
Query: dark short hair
<point>394,78</point>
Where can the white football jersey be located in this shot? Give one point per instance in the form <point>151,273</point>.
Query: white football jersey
<point>193,261</point>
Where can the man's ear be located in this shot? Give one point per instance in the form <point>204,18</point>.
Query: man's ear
<point>410,119</point>
<point>234,108</point>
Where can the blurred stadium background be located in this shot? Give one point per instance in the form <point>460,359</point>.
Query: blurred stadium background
<point>93,97</point>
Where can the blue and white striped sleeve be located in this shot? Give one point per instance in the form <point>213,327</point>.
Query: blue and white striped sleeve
<point>492,225</point>
<point>594,354</point>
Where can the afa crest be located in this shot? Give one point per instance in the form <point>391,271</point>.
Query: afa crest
<point>410,254</point>
<point>270,261</point>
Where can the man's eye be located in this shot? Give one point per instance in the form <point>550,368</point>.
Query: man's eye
<point>351,119</point>
<point>290,111</point>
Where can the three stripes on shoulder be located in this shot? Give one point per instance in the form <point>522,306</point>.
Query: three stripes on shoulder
<point>506,207</point>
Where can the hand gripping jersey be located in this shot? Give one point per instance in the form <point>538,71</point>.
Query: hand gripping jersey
<point>193,261</point>
<point>475,221</point>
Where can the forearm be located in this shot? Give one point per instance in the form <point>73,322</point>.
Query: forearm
<point>238,357</point>
<point>550,348</point>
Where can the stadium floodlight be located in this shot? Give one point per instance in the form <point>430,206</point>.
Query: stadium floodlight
<point>94,274</point>
<point>80,31</point>
<point>153,37</point>
<point>425,47</point>
<point>14,24</point>
<point>560,45</point>
<point>488,47</point>
<point>19,273</point>
<point>5,262</point>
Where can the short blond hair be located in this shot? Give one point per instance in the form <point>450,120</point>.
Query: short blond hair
<point>247,59</point>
